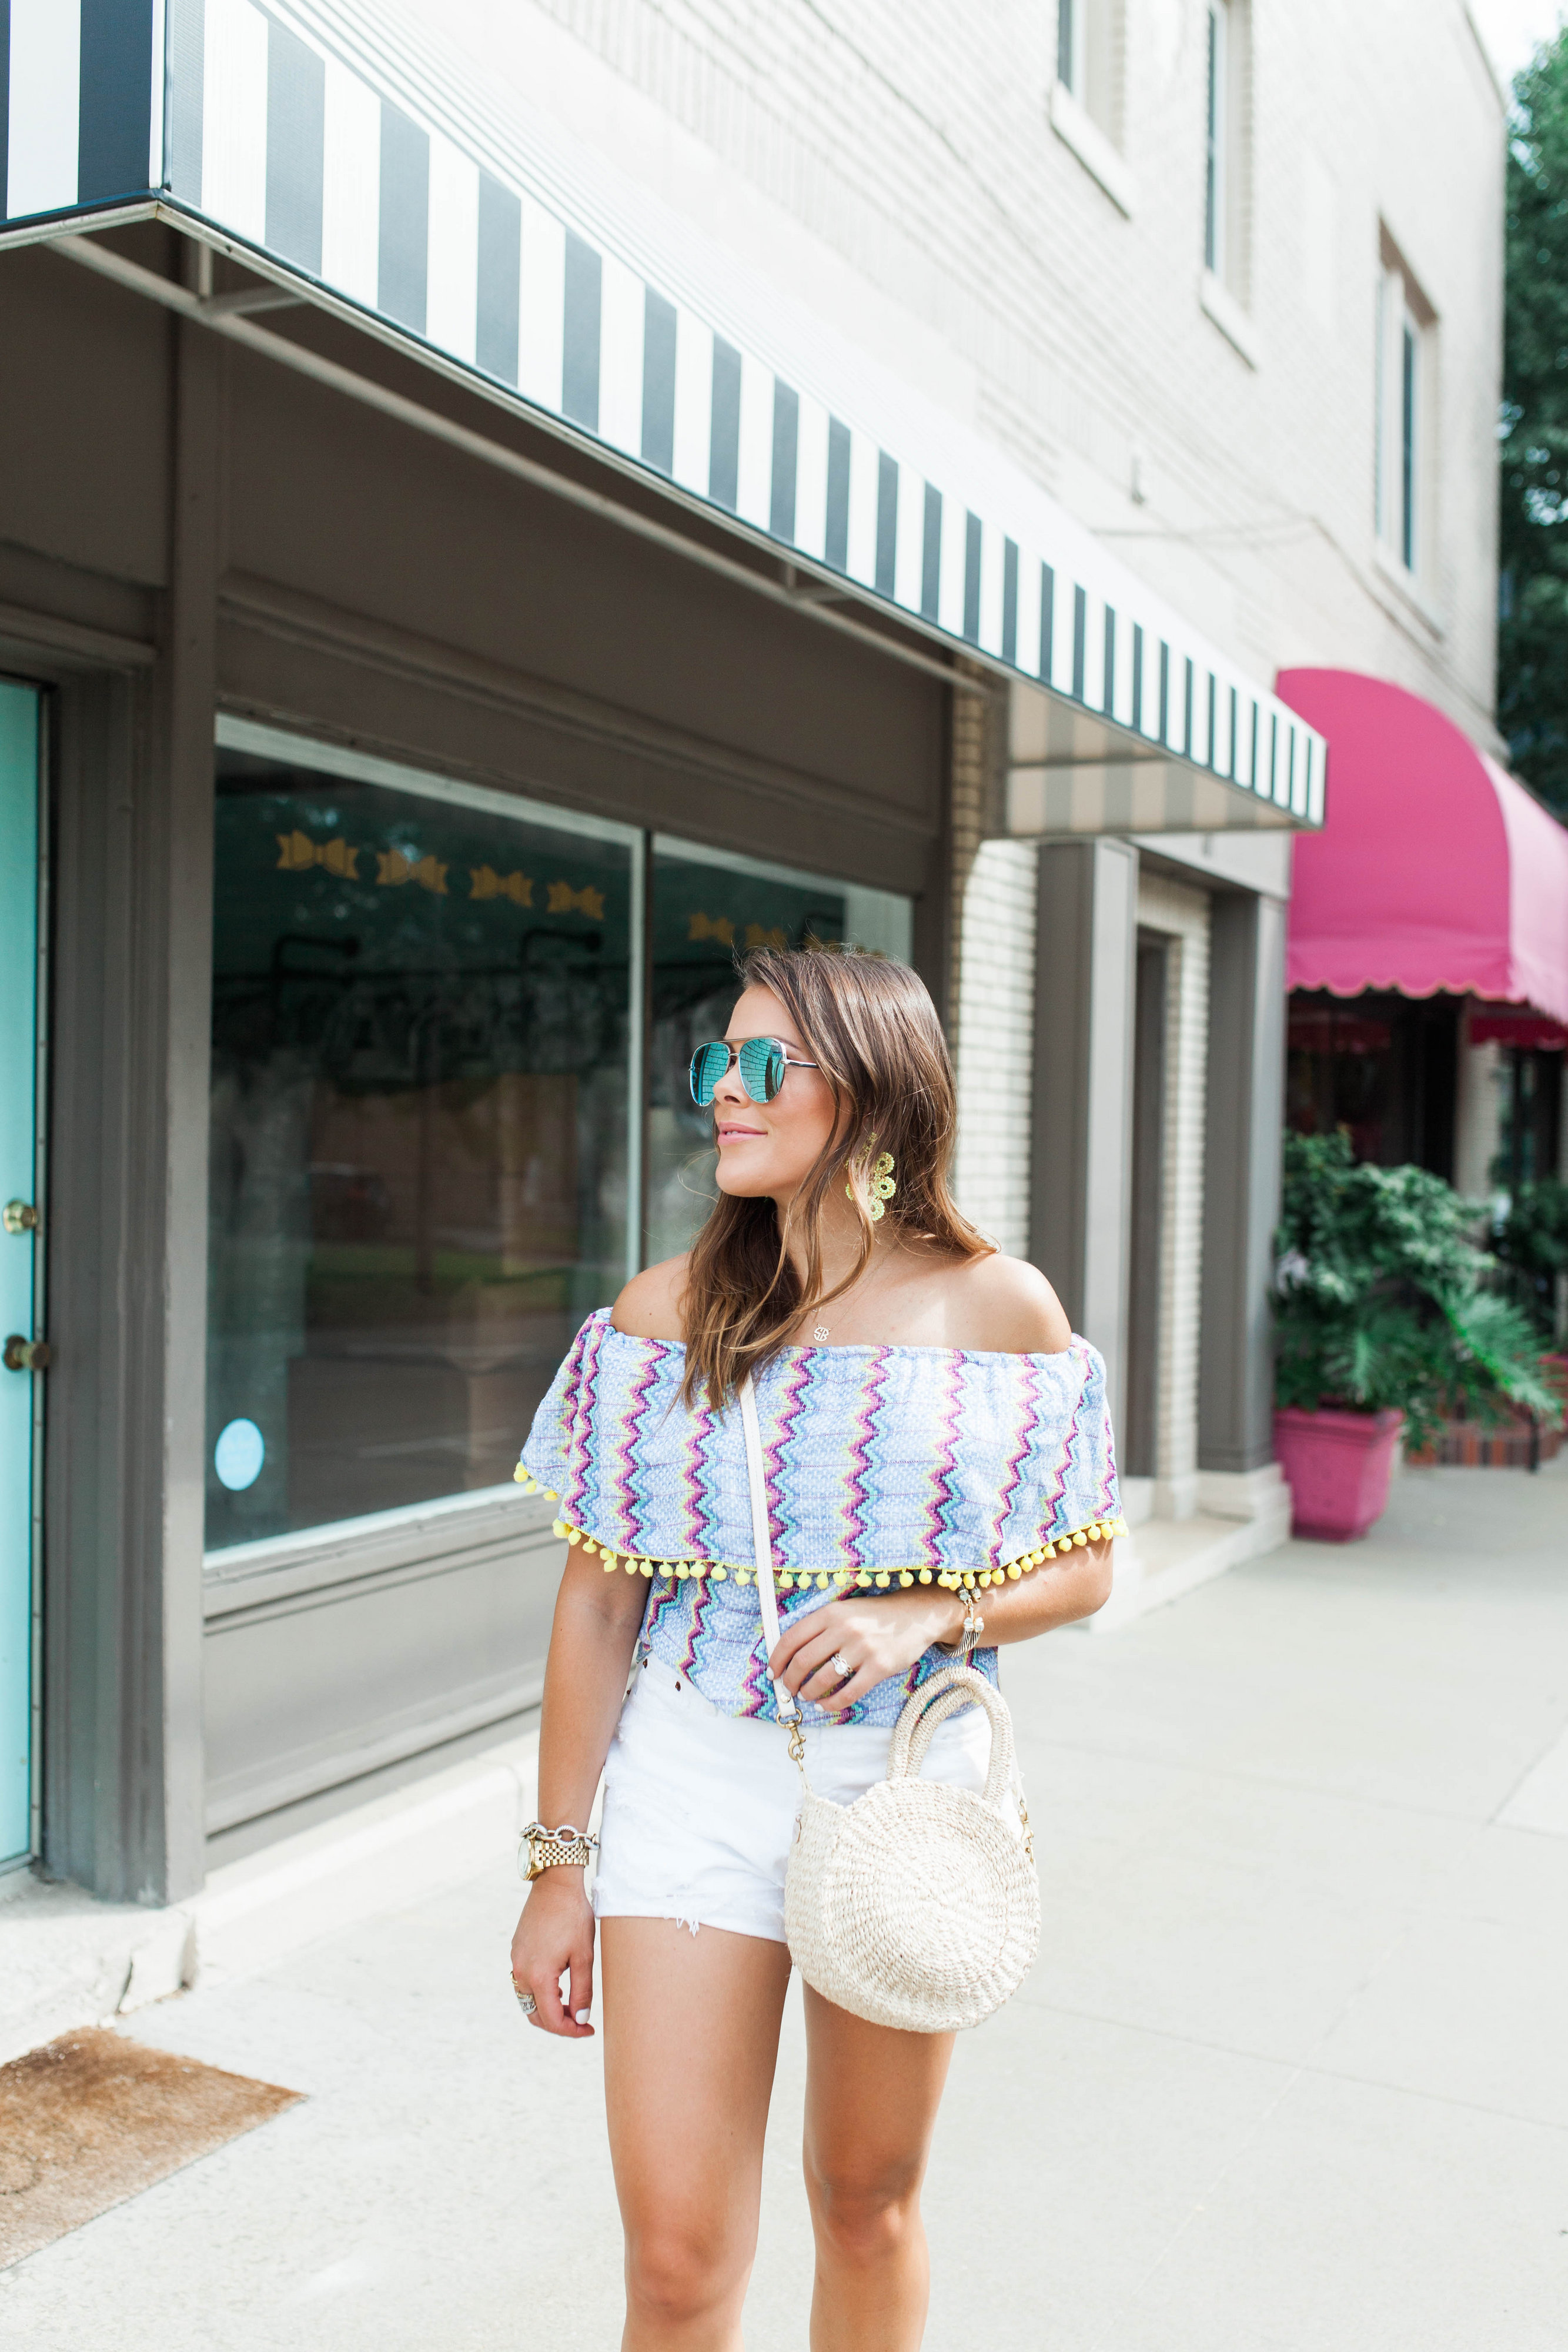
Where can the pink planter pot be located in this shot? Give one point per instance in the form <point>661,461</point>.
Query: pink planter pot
<point>1337,1466</point>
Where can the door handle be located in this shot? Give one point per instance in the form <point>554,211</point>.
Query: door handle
<point>19,1217</point>
<point>26,1355</point>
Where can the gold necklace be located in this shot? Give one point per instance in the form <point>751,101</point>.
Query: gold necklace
<point>820,1331</point>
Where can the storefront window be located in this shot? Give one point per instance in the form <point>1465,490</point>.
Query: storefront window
<point>425,1000</point>
<point>428,1113</point>
<point>708,910</point>
<point>1380,1066</point>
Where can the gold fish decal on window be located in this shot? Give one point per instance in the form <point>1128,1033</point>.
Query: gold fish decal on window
<point>298,854</point>
<point>756,937</point>
<point>717,928</point>
<point>565,900</point>
<point>486,883</point>
<point>392,869</point>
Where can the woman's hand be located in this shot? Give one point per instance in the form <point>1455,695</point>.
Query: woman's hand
<point>876,1638</point>
<point>555,1938</point>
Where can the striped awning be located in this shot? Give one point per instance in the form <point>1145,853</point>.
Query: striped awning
<point>344,149</point>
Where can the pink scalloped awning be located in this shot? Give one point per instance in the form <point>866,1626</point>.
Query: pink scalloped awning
<point>1435,869</point>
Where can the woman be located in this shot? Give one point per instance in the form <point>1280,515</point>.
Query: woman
<point>926,1418</point>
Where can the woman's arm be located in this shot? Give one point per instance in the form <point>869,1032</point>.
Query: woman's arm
<point>597,1619</point>
<point>885,1635</point>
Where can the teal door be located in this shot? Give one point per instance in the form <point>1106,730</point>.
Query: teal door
<point>19,1285</point>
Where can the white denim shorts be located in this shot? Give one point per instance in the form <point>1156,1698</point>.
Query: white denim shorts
<point>699,1807</point>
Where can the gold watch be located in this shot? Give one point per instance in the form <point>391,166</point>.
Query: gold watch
<point>540,1849</point>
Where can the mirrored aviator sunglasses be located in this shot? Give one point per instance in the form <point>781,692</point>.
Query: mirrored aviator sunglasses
<point>762,1062</point>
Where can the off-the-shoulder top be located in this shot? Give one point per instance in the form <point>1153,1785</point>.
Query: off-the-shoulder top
<point>885,1467</point>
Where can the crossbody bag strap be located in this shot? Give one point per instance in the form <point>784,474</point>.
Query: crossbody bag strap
<point>762,1543</point>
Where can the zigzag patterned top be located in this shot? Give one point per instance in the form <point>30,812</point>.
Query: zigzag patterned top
<point>885,1466</point>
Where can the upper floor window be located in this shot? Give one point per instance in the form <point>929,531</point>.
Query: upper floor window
<point>1227,145</point>
<point>1088,59</point>
<point>1217,130</point>
<point>1406,364</point>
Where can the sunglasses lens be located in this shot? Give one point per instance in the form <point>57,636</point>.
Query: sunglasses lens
<point>761,1065</point>
<point>709,1064</point>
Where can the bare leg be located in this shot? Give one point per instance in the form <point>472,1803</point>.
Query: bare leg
<point>871,2097</point>
<point>691,2039</point>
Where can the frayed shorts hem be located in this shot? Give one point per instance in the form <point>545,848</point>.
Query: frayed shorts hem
<point>728,1923</point>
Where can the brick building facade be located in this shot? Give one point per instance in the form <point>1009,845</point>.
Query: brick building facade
<point>552,489</point>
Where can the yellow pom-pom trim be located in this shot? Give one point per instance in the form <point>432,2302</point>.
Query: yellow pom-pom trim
<point>863,1579</point>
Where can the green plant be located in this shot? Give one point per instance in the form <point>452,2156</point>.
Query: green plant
<point>1381,1297</point>
<point>1531,1240</point>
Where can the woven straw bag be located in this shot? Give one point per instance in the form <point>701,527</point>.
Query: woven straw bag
<point>917,1907</point>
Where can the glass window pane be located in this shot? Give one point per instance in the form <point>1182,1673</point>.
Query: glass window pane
<point>421,1016</point>
<point>705,913</point>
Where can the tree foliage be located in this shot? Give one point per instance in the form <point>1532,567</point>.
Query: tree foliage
<point>1533,628</point>
<point>1383,1298</point>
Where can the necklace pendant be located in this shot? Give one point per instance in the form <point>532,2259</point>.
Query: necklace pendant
<point>821,1333</point>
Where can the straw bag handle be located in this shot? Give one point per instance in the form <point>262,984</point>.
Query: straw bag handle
<point>762,1545</point>
<point>942,1695</point>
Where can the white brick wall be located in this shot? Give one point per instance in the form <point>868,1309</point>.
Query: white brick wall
<point>996,1042</point>
<point>1181,915</point>
<point>892,163</point>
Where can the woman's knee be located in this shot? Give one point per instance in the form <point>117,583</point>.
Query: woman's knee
<point>866,2213</point>
<point>680,2268</point>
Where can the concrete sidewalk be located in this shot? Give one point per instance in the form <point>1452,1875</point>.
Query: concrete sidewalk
<point>1291,2075</point>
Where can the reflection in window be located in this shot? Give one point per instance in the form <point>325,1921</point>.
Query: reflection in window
<point>706,912</point>
<point>421,1014</point>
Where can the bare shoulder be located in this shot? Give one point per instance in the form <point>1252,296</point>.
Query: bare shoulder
<point>1007,1307</point>
<point>650,1306</point>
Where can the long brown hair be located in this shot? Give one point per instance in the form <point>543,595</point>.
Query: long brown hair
<point>871,1029</point>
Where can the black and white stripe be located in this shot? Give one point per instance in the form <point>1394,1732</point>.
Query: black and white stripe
<point>81,103</point>
<point>294,127</point>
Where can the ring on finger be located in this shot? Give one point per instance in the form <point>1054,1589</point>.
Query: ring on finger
<point>840,1665</point>
<point>526,2000</point>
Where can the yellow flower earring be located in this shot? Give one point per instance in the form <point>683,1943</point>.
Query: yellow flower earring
<point>882,1185</point>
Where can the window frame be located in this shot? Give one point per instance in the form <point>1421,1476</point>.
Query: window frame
<point>1218,135</point>
<point>1071,45</point>
<point>1405,359</point>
